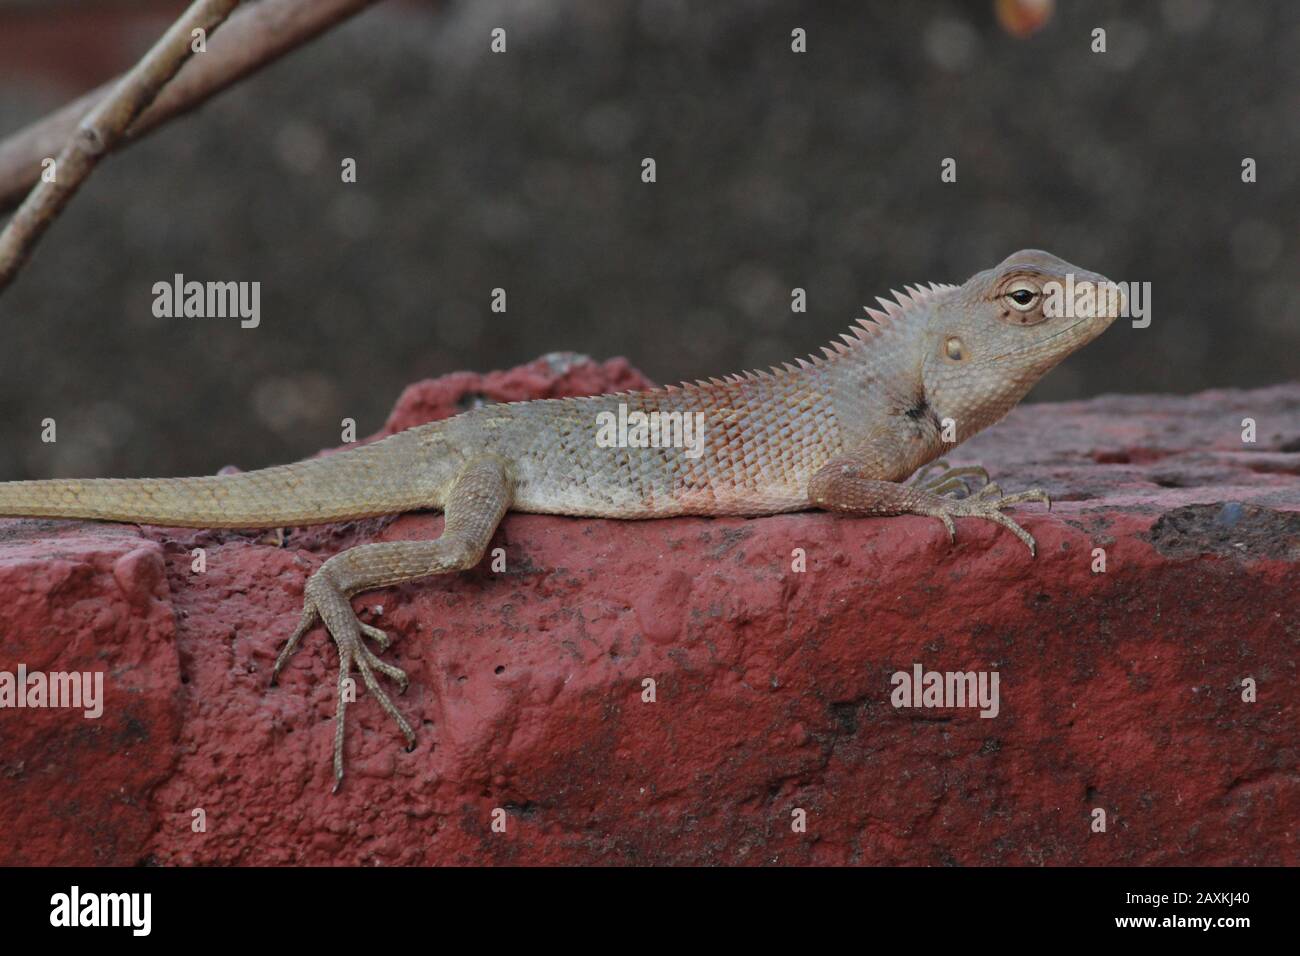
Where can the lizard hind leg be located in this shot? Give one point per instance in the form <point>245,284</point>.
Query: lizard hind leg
<point>476,500</point>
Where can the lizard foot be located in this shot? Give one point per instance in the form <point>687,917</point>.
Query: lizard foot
<point>951,479</point>
<point>324,601</point>
<point>986,503</point>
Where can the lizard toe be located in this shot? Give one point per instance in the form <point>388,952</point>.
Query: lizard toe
<point>1033,494</point>
<point>310,616</point>
<point>391,671</point>
<point>925,471</point>
<point>367,664</point>
<point>997,517</point>
<point>960,479</point>
<point>377,635</point>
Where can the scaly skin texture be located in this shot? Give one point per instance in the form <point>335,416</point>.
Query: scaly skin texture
<point>840,432</point>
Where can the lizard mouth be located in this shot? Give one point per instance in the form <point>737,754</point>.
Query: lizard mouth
<point>1040,343</point>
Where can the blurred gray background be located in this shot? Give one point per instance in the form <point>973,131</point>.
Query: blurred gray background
<point>522,171</point>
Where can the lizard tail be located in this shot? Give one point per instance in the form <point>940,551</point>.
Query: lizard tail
<point>381,478</point>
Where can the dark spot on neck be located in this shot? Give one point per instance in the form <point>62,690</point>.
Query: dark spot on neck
<point>919,410</point>
<point>922,415</point>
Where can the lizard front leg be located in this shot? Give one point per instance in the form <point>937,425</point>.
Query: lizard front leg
<point>477,499</point>
<point>844,484</point>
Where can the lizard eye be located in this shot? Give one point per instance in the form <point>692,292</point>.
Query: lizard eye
<point>1022,296</point>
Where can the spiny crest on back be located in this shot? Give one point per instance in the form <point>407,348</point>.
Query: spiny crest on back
<point>895,311</point>
<point>891,315</point>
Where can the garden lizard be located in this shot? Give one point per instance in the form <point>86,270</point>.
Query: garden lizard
<point>841,431</point>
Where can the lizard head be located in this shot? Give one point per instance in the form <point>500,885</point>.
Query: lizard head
<point>991,339</point>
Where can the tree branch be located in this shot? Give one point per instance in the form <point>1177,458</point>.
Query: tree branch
<point>101,129</point>
<point>257,35</point>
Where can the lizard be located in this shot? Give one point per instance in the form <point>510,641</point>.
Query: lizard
<point>842,431</point>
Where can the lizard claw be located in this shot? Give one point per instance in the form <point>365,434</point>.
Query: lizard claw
<point>988,503</point>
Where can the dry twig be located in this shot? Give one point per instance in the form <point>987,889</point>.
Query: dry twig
<point>257,35</point>
<point>101,129</point>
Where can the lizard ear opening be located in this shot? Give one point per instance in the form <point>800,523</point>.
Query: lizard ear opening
<point>954,350</point>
